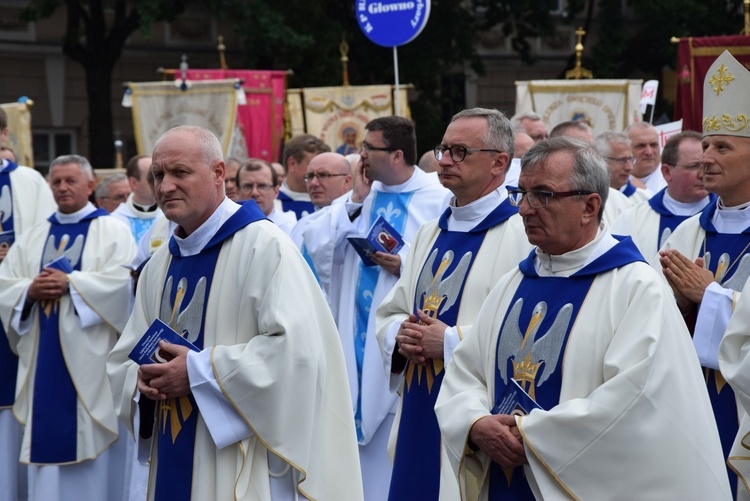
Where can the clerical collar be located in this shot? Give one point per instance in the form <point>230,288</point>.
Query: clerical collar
<point>75,217</point>
<point>655,173</point>
<point>683,208</point>
<point>194,243</point>
<point>731,220</point>
<point>144,208</point>
<point>467,217</point>
<point>547,265</point>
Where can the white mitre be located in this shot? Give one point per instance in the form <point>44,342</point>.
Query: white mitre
<point>726,99</point>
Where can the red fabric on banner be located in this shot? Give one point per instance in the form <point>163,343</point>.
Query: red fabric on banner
<point>262,118</point>
<point>694,57</point>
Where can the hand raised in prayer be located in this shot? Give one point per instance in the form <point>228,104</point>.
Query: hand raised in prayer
<point>389,262</point>
<point>499,438</point>
<point>166,380</point>
<point>361,184</point>
<point>688,279</point>
<point>422,338</point>
<point>49,284</point>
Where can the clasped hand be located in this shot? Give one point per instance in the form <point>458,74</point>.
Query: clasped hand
<point>168,379</point>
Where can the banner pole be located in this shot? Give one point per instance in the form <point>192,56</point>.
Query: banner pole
<point>397,111</point>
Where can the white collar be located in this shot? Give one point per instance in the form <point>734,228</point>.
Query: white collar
<point>467,217</point>
<point>197,240</point>
<point>564,265</point>
<point>77,216</point>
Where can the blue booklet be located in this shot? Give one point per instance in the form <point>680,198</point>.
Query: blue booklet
<point>147,351</point>
<point>382,237</point>
<point>514,401</point>
<point>61,263</point>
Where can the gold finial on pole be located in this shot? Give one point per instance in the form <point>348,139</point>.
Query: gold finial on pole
<point>344,50</point>
<point>746,4</point>
<point>222,48</point>
<point>579,71</point>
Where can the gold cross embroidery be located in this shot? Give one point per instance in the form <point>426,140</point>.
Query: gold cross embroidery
<point>720,79</point>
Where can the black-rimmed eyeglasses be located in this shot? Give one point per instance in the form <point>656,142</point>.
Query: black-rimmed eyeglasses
<point>458,153</point>
<point>368,147</point>
<point>538,199</point>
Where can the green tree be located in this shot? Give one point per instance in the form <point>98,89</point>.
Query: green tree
<point>95,34</point>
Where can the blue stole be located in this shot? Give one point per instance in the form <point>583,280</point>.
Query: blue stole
<point>629,189</point>
<point>393,208</point>
<point>416,467</point>
<point>532,341</point>
<point>8,360</point>
<point>54,411</point>
<point>187,287</point>
<point>668,221</point>
<point>726,257</point>
<point>299,207</point>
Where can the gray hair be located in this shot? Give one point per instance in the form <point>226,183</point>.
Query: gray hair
<point>207,141</point>
<point>590,170</point>
<point>80,161</point>
<point>515,120</point>
<point>102,190</point>
<point>604,141</point>
<point>499,135</point>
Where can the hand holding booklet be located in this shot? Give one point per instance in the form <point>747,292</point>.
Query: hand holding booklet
<point>382,237</point>
<point>147,351</point>
<point>514,401</point>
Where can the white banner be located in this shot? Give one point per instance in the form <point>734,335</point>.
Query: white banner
<point>666,131</point>
<point>338,115</point>
<point>603,104</point>
<point>648,95</point>
<point>159,106</point>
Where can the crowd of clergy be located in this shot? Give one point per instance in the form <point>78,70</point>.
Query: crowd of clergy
<point>522,312</point>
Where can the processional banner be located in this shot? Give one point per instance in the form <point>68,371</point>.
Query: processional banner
<point>19,137</point>
<point>338,115</point>
<point>694,57</point>
<point>261,118</point>
<point>603,104</point>
<point>159,106</point>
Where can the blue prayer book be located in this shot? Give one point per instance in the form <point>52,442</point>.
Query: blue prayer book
<point>382,237</point>
<point>515,401</point>
<point>147,351</point>
<point>61,263</point>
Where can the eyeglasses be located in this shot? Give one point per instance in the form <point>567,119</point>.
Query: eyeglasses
<point>457,153</point>
<point>691,167</point>
<point>322,177</point>
<point>260,186</point>
<point>622,160</point>
<point>368,147</point>
<point>539,199</point>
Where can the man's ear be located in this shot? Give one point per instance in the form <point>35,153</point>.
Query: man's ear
<point>591,209</point>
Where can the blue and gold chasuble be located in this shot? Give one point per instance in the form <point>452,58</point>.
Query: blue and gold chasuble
<point>8,360</point>
<point>532,341</point>
<point>668,221</point>
<point>54,423</point>
<point>183,307</point>
<point>726,256</point>
<point>393,208</point>
<point>416,466</point>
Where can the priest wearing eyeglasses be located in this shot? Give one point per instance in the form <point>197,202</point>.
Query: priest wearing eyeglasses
<point>388,184</point>
<point>257,180</point>
<point>454,262</point>
<point>592,334</point>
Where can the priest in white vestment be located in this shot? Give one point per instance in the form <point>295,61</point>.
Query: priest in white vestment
<point>261,409</point>
<point>257,180</point>
<point>650,223</point>
<point>707,259</point>
<point>64,294</point>
<point>453,263</point>
<point>387,184</point>
<point>589,332</point>
<point>25,200</point>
